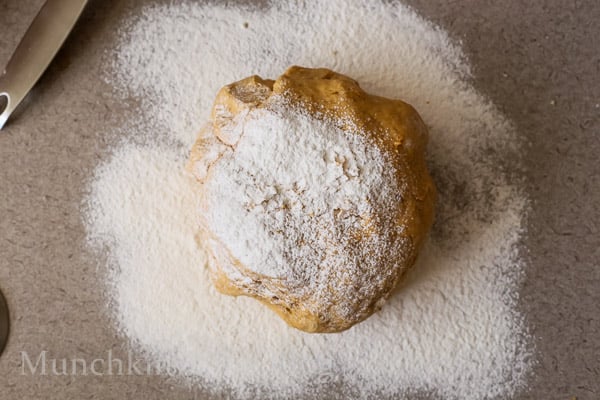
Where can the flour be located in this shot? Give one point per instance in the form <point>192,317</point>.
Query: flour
<point>289,199</point>
<point>452,330</point>
<point>286,169</point>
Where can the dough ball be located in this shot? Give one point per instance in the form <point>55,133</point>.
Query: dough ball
<point>314,195</point>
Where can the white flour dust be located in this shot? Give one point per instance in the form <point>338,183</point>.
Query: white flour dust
<point>452,330</point>
<point>288,201</point>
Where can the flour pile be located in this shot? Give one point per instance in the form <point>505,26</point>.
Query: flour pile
<point>451,331</point>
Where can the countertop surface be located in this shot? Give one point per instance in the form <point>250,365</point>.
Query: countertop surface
<point>540,64</point>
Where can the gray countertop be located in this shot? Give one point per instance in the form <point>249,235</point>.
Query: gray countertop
<point>540,64</point>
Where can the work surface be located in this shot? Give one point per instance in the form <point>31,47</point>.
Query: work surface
<point>539,64</point>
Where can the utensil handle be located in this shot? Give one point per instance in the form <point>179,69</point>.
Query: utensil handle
<point>38,47</point>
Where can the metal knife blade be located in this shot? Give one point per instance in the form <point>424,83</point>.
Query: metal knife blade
<point>41,42</point>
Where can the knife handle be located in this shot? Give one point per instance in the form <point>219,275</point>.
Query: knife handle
<point>41,42</point>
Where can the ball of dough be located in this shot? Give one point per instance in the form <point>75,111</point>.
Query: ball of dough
<point>314,196</point>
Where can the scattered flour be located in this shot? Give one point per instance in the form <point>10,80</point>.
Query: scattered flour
<point>452,331</point>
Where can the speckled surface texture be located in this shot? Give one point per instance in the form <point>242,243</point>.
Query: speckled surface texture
<point>540,64</point>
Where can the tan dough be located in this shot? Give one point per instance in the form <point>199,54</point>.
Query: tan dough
<point>392,124</point>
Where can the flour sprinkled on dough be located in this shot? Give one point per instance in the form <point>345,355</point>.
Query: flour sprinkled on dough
<point>453,329</point>
<point>266,191</point>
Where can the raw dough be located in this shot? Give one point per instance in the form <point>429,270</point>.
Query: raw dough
<point>391,125</point>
